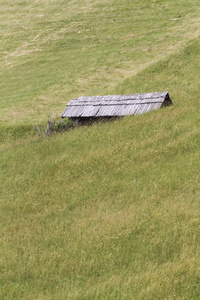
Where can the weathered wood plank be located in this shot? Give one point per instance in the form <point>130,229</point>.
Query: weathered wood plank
<point>111,102</point>
<point>90,111</point>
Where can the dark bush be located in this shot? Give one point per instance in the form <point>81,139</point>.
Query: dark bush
<point>54,126</point>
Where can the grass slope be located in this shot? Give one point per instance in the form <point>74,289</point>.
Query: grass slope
<point>54,50</point>
<point>109,211</point>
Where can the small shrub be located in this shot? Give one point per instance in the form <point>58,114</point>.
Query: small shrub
<point>54,126</point>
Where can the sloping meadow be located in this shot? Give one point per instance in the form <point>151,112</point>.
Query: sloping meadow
<point>109,211</point>
<point>53,51</point>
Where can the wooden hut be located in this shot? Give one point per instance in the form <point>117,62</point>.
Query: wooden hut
<point>86,108</point>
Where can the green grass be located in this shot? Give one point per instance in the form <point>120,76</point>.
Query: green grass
<point>109,211</point>
<point>55,50</point>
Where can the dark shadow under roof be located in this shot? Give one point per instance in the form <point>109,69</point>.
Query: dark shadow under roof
<point>115,105</point>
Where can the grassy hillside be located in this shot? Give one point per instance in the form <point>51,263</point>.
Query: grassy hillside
<point>109,211</point>
<point>54,50</point>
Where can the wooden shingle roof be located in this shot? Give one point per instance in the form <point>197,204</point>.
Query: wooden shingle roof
<point>115,105</point>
